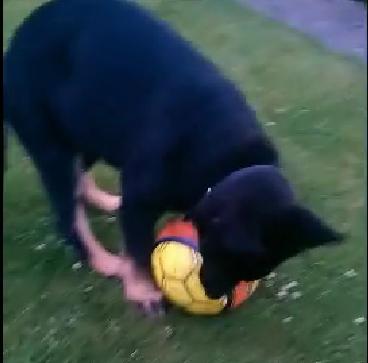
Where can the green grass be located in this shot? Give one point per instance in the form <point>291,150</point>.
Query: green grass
<point>312,103</point>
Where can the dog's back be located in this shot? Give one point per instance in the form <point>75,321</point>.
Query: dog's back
<point>116,83</point>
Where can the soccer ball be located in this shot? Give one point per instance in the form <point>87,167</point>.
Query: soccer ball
<point>176,270</point>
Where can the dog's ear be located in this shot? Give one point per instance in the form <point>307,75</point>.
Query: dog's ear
<point>297,228</point>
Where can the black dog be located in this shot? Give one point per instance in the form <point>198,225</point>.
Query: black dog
<point>103,79</point>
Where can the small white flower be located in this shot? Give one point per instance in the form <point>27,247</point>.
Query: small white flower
<point>281,110</point>
<point>324,292</point>
<point>350,273</point>
<point>169,331</point>
<point>71,321</point>
<point>296,295</point>
<point>359,320</point>
<point>287,320</point>
<point>282,293</point>
<point>43,296</point>
<point>77,265</point>
<point>304,110</point>
<point>290,285</point>
<point>111,219</point>
<point>133,354</point>
<point>271,276</point>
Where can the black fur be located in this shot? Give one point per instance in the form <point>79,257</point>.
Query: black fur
<point>250,223</point>
<point>103,79</point>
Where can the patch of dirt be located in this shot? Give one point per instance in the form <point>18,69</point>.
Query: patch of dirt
<point>340,25</point>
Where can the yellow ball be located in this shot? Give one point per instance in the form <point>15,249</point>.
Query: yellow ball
<point>176,270</point>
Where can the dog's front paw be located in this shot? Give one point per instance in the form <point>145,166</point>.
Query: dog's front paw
<point>144,295</point>
<point>105,263</point>
<point>140,290</point>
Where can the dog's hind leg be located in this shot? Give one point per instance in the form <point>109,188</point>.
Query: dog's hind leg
<point>91,193</point>
<point>61,175</point>
<point>57,167</point>
<point>97,197</point>
<point>60,171</point>
<point>100,259</point>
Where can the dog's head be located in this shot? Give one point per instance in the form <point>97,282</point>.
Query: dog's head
<point>249,224</point>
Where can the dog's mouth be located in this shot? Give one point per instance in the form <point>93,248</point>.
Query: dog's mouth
<point>215,283</point>
<point>218,281</point>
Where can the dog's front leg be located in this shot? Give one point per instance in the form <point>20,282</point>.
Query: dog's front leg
<point>138,221</point>
<point>99,258</point>
<point>97,197</point>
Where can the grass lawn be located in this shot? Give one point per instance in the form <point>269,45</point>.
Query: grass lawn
<point>312,102</point>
